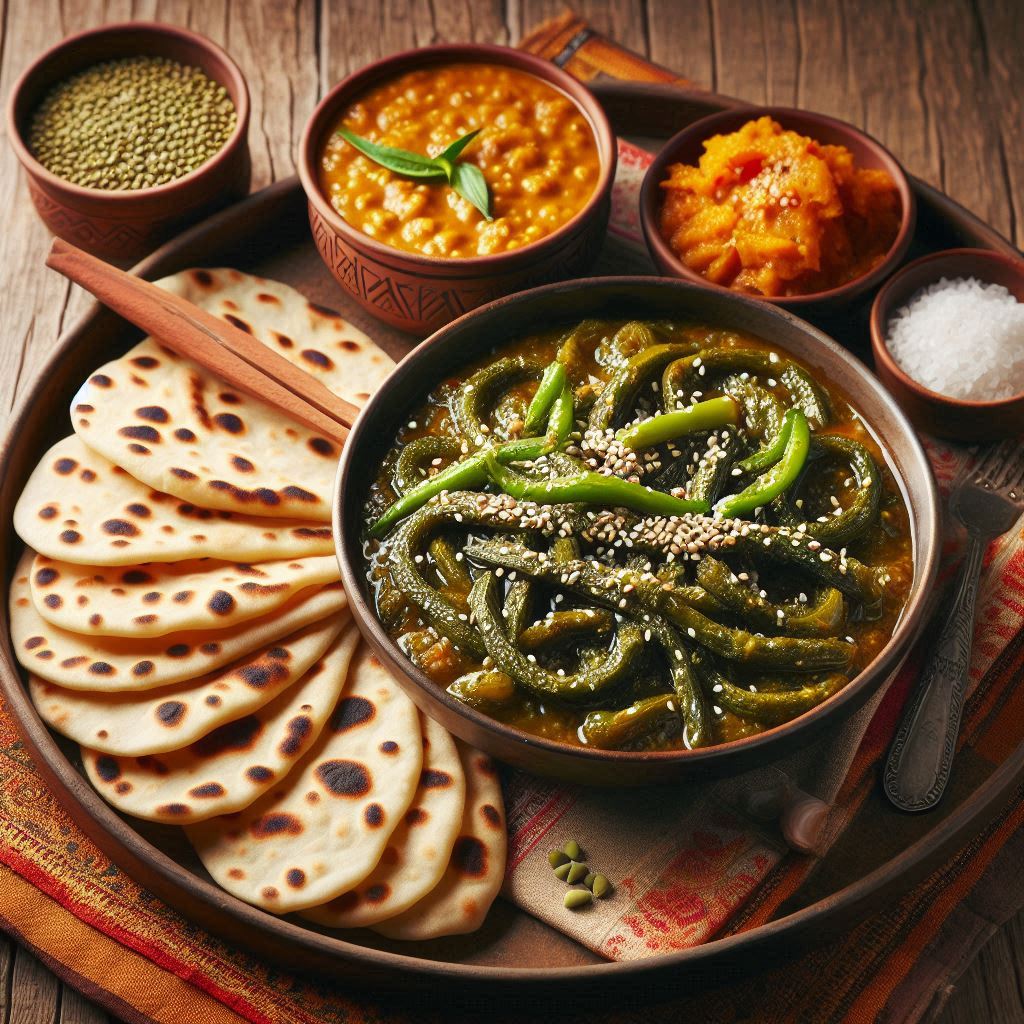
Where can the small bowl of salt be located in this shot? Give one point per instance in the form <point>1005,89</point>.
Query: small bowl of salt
<point>947,333</point>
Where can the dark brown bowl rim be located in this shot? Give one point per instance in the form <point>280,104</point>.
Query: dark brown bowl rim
<point>879,330</point>
<point>889,658</point>
<point>704,129</point>
<point>478,53</point>
<point>125,195</point>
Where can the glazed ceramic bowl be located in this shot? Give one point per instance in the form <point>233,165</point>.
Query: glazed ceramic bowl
<point>419,293</point>
<point>928,410</point>
<point>125,224</point>
<point>469,338</point>
<point>687,147</point>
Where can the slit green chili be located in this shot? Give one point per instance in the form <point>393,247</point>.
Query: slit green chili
<point>588,489</point>
<point>715,412</point>
<point>770,484</point>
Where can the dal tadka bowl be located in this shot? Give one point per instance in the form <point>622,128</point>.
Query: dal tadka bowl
<point>413,252</point>
<point>555,744</point>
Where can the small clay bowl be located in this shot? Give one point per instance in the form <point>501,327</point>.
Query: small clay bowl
<point>928,410</point>
<point>125,224</point>
<point>687,147</point>
<point>460,343</point>
<point>419,293</point>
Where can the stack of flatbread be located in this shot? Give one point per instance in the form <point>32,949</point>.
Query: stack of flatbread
<point>179,610</point>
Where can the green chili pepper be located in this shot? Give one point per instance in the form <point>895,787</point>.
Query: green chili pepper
<point>846,525</point>
<point>762,411</point>
<point>518,599</point>
<point>715,412</point>
<point>485,689</point>
<point>469,473</point>
<point>627,381</point>
<point>588,489</point>
<point>468,403</point>
<point>774,481</point>
<point>550,387</point>
<point>683,376</point>
<point>442,551</point>
<point>822,616</point>
<point>567,625</point>
<point>713,470</point>
<point>767,456</point>
<point>560,421</point>
<point>413,459</point>
<point>597,674</point>
<point>609,730</point>
<point>769,707</point>
<point>634,593</point>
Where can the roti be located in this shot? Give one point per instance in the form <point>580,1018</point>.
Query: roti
<point>167,597</point>
<point>114,663</point>
<point>460,901</point>
<point>79,507</point>
<point>172,717</point>
<point>182,430</point>
<point>232,766</point>
<point>323,830</point>
<point>417,854</point>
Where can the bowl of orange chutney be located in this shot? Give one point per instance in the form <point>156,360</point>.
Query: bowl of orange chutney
<point>419,248</point>
<point>786,205</point>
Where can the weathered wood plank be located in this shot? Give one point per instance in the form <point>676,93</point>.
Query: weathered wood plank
<point>35,992</point>
<point>8,948</point>
<point>356,34</point>
<point>76,1009</point>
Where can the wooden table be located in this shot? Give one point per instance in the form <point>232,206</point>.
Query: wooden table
<point>939,82</point>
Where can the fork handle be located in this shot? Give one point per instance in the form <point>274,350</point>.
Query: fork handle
<point>922,751</point>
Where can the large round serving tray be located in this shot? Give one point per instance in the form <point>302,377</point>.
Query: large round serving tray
<point>267,234</point>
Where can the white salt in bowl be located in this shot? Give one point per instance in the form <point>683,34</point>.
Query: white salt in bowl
<point>928,410</point>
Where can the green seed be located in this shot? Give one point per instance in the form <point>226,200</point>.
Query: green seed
<point>562,871</point>
<point>601,886</point>
<point>572,850</point>
<point>589,880</point>
<point>576,898</point>
<point>577,872</point>
<point>556,858</point>
<point>123,116</point>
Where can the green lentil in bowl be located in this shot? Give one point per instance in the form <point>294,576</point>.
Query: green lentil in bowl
<point>132,123</point>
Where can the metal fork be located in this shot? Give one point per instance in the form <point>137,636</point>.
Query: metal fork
<point>921,755</point>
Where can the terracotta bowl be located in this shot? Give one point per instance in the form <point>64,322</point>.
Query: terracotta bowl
<point>928,410</point>
<point>123,224</point>
<point>688,146</point>
<point>472,335</point>
<point>419,293</point>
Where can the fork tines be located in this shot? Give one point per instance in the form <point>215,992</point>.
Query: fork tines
<point>1002,466</point>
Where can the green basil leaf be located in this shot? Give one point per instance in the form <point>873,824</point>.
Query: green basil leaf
<point>453,151</point>
<point>468,180</point>
<point>401,161</point>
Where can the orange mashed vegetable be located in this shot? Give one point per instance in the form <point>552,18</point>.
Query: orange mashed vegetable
<point>537,153</point>
<point>775,213</point>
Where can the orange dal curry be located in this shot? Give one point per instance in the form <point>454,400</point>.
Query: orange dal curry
<point>537,153</point>
<point>773,212</point>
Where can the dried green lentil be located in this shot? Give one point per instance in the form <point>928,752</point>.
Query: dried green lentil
<point>576,898</point>
<point>577,872</point>
<point>572,850</point>
<point>556,858</point>
<point>131,123</point>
